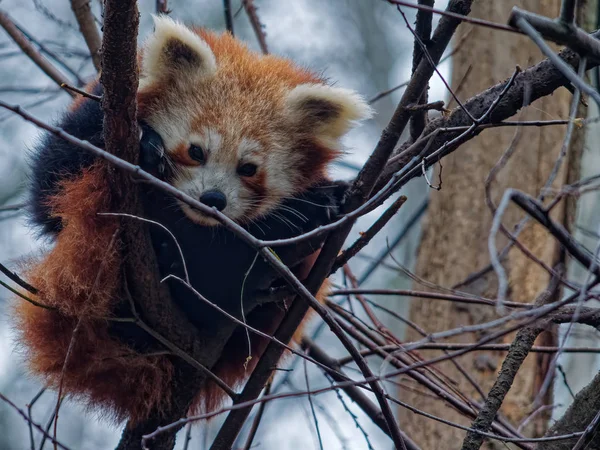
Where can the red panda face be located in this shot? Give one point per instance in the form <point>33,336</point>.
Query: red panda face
<point>244,131</point>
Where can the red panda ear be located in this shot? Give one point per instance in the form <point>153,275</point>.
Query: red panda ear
<point>324,111</point>
<point>175,51</point>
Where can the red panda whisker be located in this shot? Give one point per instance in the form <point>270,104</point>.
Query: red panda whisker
<point>308,202</point>
<point>286,221</point>
<point>255,223</point>
<point>294,212</point>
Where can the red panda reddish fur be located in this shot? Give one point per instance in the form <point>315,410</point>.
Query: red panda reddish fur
<point>79,279</point>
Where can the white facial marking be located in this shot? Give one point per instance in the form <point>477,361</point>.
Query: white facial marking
<point>210,140</point>
<point>248,148</point>
<point>218,173</point>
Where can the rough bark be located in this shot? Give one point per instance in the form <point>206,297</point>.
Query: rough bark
<point>584,408</point>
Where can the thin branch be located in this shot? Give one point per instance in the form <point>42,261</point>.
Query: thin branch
<point>257,26</point>
<point>312,407</point>
<point>428,295</point>
<point>87,25</point>
<point>560,64</point>
<point>162,7</point>
<point>422,35</point>
<point>520,348</point>
<point>402,233</point>
<point>589,434</point>
<point>536,210</point>
<point>366,237</point>
<point>456,47</point>
<point>34,424</point>
<point>81,92</point>
<point>567,11</point>
<point>26,298</point>
<point>29,415</point>
<point>353,392</point>
<point>555,30</point>
<point>456,16</point>
<point>257,419</point>
<point>15,278</point>
<point>228,16</point>
<point>15,207</point>
<point>19,38</point>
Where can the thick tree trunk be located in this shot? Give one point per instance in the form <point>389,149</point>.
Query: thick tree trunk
<point>456,229</point>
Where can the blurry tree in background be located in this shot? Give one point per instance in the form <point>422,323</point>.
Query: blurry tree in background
<point>454,247</point>
<point>494,160</point>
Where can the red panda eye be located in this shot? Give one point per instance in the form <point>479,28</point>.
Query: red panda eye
<point>197,154</point>
<point>247,170</point>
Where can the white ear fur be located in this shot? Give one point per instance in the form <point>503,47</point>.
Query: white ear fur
<point>174,49</point>
<point>326,111</point>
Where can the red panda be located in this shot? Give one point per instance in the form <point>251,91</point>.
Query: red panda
<point>250,135</point>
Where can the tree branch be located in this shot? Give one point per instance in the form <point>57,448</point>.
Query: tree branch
<point>579,415</point>
<point>354,392</point>
<point>519,349</point>
<point>87,25</point>
<point>540,80</point>
<point>21,40</point>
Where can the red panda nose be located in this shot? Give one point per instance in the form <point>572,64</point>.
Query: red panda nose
<point>214,199</point>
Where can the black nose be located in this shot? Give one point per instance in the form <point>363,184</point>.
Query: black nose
<point>215,199</point>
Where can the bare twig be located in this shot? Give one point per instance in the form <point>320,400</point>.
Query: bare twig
<point>162,7</point>
<point>428,295</point>
<point>34,424</point>
<point>352,391</point>
<point>366,237</point>
<point>26,298</point>
<point>422,34</point>
<point>17,279</point>
<point>559,32</point>
<point>87,25</point>
<point>9,26</point>
<point>589,434</point>
<point>455,15</point>
<point>81,92</point>
<point>15,207</point>
<point>517,353</point>
<point>29,408</point>
<point>257,26</point>
<point>564,68</point>
<point>567,11</point>
<point>228,16</point>
<point>456,47</point>
<point>257,419</point>
<point>312,407</point>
